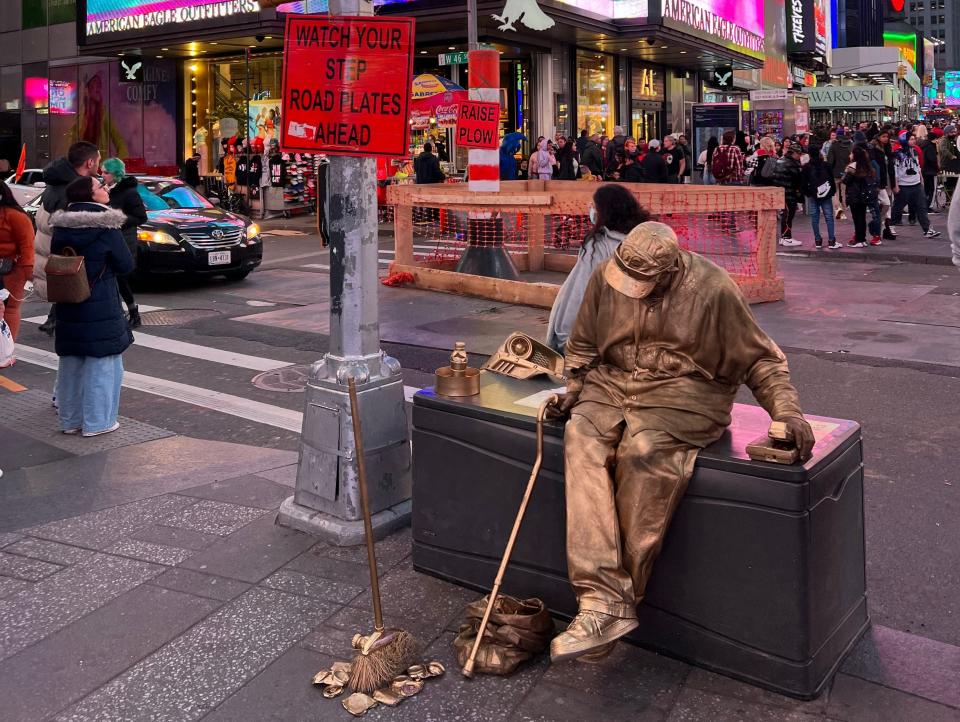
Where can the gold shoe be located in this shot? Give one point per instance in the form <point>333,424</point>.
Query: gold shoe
<point>597,655</point>
<point>587,631</point>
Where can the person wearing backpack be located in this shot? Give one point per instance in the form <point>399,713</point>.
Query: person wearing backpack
<point>863,186</point>
<point>787,175</point>
<point>727,164</point>
<point>766,162</point>
<point>819,188</point>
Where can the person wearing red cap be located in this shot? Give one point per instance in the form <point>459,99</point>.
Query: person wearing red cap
<point>661,344</point>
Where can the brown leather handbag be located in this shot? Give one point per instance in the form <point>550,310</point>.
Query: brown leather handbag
<point>519,629</point>
<point>67,278</point>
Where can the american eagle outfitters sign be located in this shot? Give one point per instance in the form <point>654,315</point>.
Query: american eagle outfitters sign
<point>706,21</point>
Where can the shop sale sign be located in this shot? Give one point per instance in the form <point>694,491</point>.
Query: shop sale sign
<point>346,85</point>
<point>478,124</point>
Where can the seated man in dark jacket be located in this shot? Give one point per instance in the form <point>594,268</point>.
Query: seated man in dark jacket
<point>427,166</point>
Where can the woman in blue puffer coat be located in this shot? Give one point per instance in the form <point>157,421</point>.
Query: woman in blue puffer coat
<point>92,335</point>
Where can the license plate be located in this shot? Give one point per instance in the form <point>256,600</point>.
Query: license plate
<point>218,258</point>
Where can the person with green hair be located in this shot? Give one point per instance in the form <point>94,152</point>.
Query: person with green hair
<point>125,196</point>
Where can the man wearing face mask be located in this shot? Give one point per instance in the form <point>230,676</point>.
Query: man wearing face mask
<point>661,343</point>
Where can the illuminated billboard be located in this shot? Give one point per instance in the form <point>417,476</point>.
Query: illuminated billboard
<point>951,91</point>
<point>119,16</point>
<point>907,43</point>
<point>737,24</point>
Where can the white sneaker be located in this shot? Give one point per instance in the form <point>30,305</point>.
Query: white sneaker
<point>790,242</point>
<point>930,233</point>
<point>116,425</point>
<point>71,432</point>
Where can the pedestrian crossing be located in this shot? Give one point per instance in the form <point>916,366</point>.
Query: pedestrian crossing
<point>151,352</point>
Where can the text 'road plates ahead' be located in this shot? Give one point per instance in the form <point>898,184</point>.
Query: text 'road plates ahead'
<point>346,85</point>
<point>478,124</point>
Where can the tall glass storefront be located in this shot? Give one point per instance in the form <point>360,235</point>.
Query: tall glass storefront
<point>596,109</point>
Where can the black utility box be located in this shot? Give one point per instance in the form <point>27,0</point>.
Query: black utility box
<point>762,573</point>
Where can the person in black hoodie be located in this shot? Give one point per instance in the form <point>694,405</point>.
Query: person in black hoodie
<point>124,196</point>
<point>786,175</point>
<point>91,335</point>
<point>819,187</point>
<point>653,169</point>
<point>929,168</point>
<point>82,159</point>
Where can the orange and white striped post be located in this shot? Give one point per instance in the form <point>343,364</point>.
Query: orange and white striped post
<point>484,72</point>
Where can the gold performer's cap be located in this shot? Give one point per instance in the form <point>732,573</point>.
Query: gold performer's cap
<point>649,250</point>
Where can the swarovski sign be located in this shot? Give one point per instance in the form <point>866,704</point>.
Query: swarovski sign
<point>855,96</point>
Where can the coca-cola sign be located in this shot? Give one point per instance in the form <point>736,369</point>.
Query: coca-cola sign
<point>447,115</point>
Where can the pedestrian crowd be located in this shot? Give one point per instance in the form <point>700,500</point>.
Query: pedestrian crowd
<point>869,173</point>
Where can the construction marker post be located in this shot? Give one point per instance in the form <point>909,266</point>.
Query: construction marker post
<point>485,254</point>
<point>346,93</point>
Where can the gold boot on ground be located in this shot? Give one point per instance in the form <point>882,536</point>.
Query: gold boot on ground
<point>588,631</point>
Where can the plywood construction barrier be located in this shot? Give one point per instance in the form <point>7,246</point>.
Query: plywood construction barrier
<point>542,224</point>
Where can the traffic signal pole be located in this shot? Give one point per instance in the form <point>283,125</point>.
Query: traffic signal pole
<point>326,500</point>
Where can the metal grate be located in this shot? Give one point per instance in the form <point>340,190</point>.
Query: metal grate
<point>176,316</point>
<point>206,239</point>
<point>30,412</point>
<point>289,379</point>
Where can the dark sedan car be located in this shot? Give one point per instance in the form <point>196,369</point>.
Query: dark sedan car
<point>186,234</point>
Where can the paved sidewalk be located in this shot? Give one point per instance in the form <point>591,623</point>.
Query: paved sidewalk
<point>174,596</point>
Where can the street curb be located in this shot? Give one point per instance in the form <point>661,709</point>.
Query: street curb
<point>867,257</point>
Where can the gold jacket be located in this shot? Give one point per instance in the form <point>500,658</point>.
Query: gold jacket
<point>674,363</point>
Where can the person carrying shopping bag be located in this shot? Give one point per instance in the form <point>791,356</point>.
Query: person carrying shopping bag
<point>16,256</point>
<point>91,335</point>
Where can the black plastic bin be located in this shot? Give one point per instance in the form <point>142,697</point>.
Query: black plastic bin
<point>761,576</point>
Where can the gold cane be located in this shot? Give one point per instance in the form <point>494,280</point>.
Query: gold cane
<point>468,667</point>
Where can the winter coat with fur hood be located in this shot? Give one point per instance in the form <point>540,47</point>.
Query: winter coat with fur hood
<point>57,177</point>
<point>97,327</point>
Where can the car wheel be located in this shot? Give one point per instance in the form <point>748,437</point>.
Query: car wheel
<point>237,275</point>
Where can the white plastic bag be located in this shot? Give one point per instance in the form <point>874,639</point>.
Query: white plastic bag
<point>6,338</point>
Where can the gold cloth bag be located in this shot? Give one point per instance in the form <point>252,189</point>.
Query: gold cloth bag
<point>518,630</point>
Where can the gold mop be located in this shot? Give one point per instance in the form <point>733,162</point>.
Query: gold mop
<point>495,591</point>
<point>385,653</point>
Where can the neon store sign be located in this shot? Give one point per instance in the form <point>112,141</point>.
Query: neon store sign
<point>118,16</point>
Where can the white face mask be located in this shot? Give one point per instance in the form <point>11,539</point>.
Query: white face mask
<point>593,215</point>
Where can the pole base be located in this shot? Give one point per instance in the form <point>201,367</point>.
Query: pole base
<point>340,532</point>
<point>489,261</point>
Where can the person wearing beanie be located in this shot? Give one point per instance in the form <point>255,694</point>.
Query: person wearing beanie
<point>948,154</point>
<point>125,196</point>
<point>929,165</point>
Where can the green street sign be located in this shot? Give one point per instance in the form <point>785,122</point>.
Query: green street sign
<point>452,59</point>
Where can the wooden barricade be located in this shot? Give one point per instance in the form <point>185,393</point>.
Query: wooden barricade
<point>535,200</point>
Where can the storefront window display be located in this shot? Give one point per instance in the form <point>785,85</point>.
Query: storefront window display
<point>595,93</point>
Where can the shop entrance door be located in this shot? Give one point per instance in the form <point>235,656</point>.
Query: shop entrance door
<point>646,124</point>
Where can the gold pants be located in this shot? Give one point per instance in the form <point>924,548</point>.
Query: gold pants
<point>622,491</point>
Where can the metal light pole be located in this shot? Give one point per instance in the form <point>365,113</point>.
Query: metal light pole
<point>326,501</point>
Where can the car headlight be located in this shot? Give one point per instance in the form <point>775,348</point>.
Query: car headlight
<point>253,230</point>
<point>158,237</point>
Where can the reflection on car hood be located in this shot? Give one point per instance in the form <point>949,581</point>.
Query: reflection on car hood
<point>185,218</point>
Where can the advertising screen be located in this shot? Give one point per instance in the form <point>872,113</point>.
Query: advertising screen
<point>951,91</point>
<point>36,92</point>
<point>906,42</point>
<point>738,24</point>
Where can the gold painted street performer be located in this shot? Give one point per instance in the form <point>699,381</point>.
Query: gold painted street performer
<point>660,346</point>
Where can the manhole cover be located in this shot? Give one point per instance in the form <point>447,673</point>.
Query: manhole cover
<point>176,316</point>
<point>288,380</point>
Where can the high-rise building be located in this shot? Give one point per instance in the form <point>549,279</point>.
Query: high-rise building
<point>858,23</point>
<point>939,20</point>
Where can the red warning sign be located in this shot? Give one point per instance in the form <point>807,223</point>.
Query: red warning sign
<point>478,125</point>
<point>346,85</point>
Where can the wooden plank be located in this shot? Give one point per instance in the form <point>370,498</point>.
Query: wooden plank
<point>540,295</point>
<point>403,233</point>
<point>561,262</point>
<point>535,231</point>
<point>465,198</point>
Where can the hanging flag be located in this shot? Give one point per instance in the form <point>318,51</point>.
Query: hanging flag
<point>22,163</point>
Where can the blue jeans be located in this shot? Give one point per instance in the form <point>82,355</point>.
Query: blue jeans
<point>814,208</point>
<point>88,392</point>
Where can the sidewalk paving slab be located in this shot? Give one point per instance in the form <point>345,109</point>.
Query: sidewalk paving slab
<point>67,665</point>
<point>856,700</point>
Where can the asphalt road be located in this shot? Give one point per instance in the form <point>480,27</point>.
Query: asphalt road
<point>904,396</point>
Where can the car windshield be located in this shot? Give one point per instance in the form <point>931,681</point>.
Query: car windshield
<point>162,196</point>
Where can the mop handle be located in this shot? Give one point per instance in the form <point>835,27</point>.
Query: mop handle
<point>365,504</point>
<point>471,661</point>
